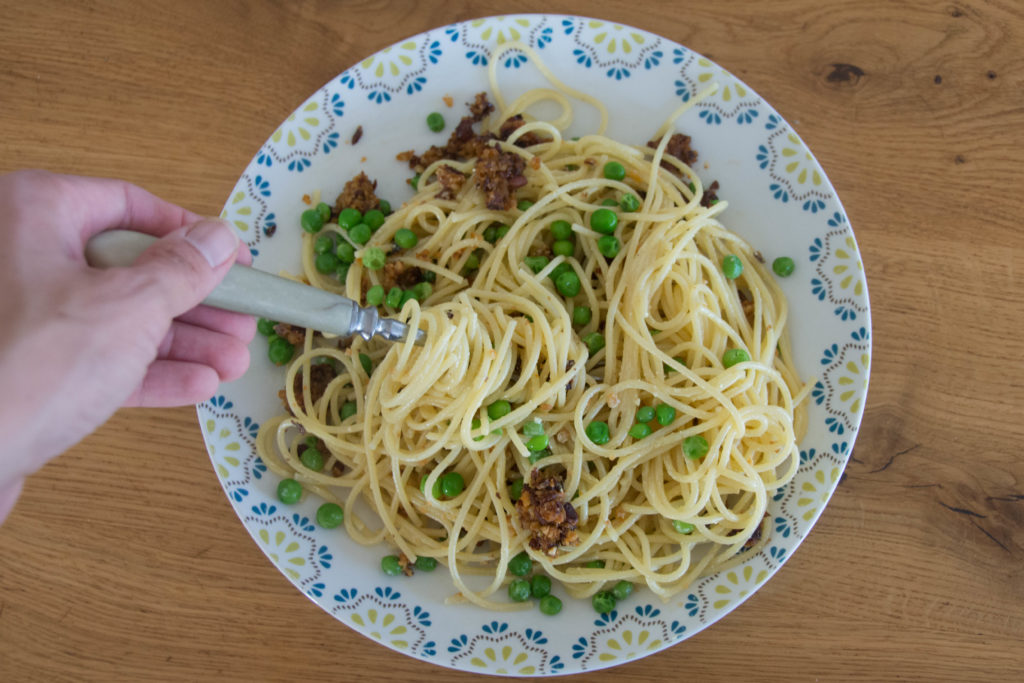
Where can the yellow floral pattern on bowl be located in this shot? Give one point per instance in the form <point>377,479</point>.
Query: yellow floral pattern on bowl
<point>737,584</point>
<point>384,626</point>
<point>300,125</point>
<point>223,446</point>
<point>285,550</point>
<point>815,491</point>
<point>497,30</point>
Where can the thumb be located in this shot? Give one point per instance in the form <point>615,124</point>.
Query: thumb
<point>184,266</point>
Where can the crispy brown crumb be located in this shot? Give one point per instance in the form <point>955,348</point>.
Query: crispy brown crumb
<point>710,196</point>
<point>357,136</point>
<point>759,256</point>
<point>543,510</point>
<point>451,180</point>
<point>358,193</point>
<point>291,333</point>
<point>679,147</point>
<point>499,174</point>
<point>405,564</point>
<point>448,101</point>
<point>320,375</point>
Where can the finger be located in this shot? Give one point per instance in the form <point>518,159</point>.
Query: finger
<point>179,270</point>
<point>95,204</point>
<point>238,325</point>
<point>170,383</point>
<point>227,355</point>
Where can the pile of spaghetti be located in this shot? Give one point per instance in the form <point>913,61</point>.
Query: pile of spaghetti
<point>619,409</point>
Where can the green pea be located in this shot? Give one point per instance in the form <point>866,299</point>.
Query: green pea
<point>783,266</point>
<point>640,430</point>
<point>374,258</point>
<point>594,342</point>
<point>734,356</point>
<point>695,446</point>
<point>519,590</point>
<point>550,605</point>
<point>609,246</point>
<point>452,484</point>
<point>491,233</point>
<point>613,170</point>
<point>521,564</point>
<point>630,203</point>
<point>360,233</point>
<point>603,602</point>
<point>598,432</point>
<point>683,527</point>
<point>533,428</point>
<point>311,220</point>
<point>604,221</point>
<point>429,276</point>
<point>435,490</point>
<point>345,252</point>
<point>289,491</point>
<point>473,262</point>
<point>324,210</point>
<point>384,206</point>
<point>310,440</point>
<point>374,218</point>
<point>330,515</point>
<point>524,204</point>
<point>560,269</point>
<point>595,564</point>
<point>265,327</point>
<point>563,248</point>
<point>342,271</point>
<point>669,368</point>
<point>622,590</point>
<point>581,315</point>
<point>515,489</point>
<point>422,291</point>
<point>280,350</point>
<point>503,230</point>
<point>561,230</point>
<point>367,364</point>
<point>323,244</point>
<point>568,284</point>
<point>540,586</point>
<point>348,409</point>
<point>499,409</point>
<point>415,181</point>
<point>435,121</point>
<point>312,459</point>
<point>394,297</point>
<point>425,564</point>
<point>536,263</point>
<point>537,443</point>
<point>665,414</point>
<point>732,267</point>
<point>349,217</point>
<point>390,565</point>
<point>609,201</point>
<point>645,414</point>
<point>537,456</point>
<point>326,263</point>
<point>474,426</point>
<point>375,296</point>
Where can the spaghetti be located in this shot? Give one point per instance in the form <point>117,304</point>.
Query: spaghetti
<point>659,505</point>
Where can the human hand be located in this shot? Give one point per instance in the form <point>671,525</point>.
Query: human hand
<point>77,343</point>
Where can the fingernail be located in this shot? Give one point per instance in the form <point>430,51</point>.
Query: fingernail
<point>214,239</point>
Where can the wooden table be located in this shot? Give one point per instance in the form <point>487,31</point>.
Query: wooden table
<point>110,566</point>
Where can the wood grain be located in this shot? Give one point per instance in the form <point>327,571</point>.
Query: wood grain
<point>123,560</point>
